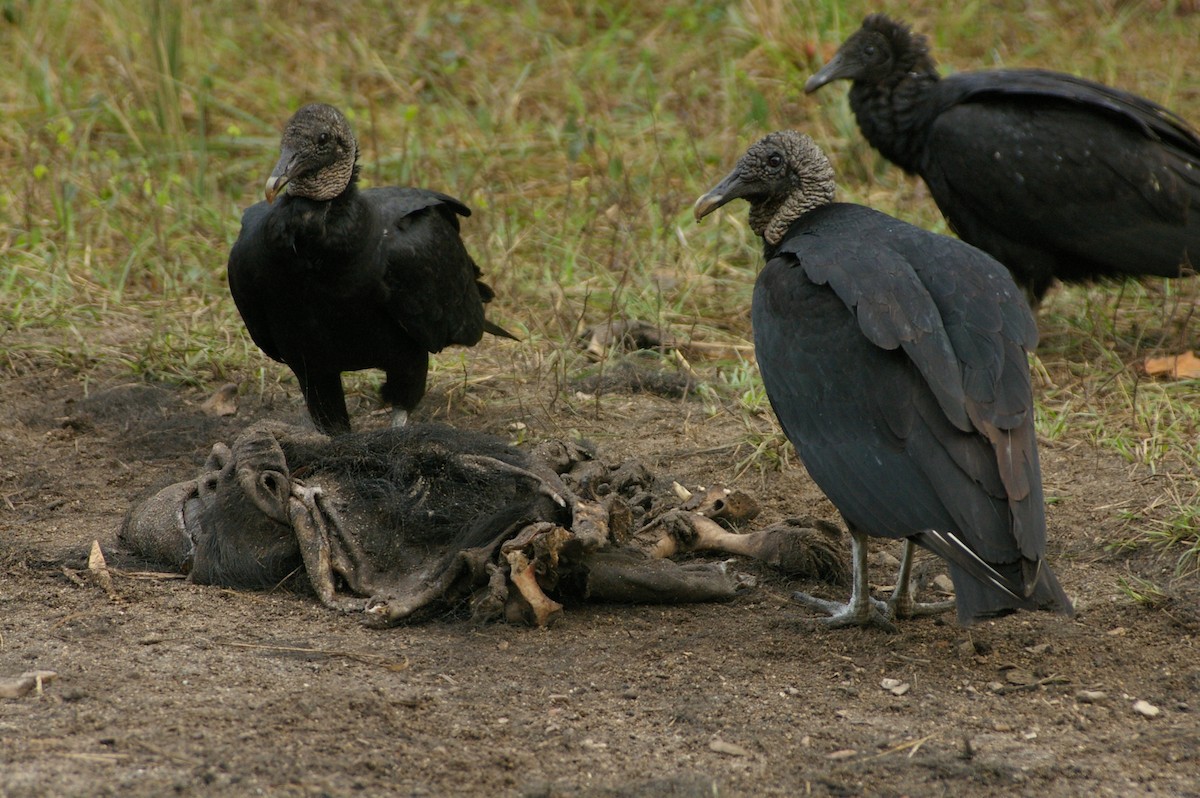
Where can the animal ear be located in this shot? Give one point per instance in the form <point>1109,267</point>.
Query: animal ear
<point>269,490</point>
<point>262,472</point>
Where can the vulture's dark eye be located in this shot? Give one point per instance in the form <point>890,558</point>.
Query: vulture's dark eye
<point>775,160</point>
<point>869,50</point>
<point>323,139</point>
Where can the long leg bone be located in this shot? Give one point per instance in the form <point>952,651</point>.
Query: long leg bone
<point>798,546</point>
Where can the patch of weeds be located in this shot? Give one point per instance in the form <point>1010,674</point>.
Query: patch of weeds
<point>1143,592</point>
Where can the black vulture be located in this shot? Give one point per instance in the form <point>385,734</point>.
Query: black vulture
<point>330,278</point>
<point>1053,175</point>
<point>896,362</point>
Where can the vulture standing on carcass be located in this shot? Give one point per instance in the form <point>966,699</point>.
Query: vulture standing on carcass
<point>895,360</point>
<point>1053,175</point>
<point>330,278</point>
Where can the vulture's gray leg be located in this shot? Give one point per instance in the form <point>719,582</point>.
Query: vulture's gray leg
<point>862,609</point>
<point>902,602</point>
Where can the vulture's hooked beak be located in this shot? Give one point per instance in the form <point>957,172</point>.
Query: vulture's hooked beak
<point>730,188</point>
<point>835,69</point>
<point>281,174</point>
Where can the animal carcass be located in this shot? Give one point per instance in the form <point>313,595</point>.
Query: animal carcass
<point>399,522</point>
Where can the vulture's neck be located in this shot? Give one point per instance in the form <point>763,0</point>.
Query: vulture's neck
<point>895,114</point>
<point>320,231</point>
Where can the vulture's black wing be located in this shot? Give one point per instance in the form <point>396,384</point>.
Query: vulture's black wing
<point>895,362</point>
<point>1030,164</point>
<point>429,279</point>
<point>1153,120</point>
<point>249,279</point>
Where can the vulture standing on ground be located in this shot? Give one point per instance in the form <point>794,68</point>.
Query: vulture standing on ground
<point>330,278</point>
<point>1053,175</point>
<point>895,360</point>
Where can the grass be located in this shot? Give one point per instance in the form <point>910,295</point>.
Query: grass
<point>133,133</point>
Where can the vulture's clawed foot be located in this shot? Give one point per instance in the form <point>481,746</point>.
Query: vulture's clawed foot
<point>905,606</point>
<point>903,602</point>
<point>867,612</point>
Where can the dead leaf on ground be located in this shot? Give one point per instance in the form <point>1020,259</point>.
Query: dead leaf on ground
<point>1177,367</point>
<point>223,402</point>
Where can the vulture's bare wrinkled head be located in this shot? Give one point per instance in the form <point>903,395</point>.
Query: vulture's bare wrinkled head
<point>783,176</point>
<point>317,155</point>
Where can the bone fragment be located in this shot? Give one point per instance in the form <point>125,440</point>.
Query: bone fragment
<point>21,686</point>
<point>521,573</point>
<point>98,568</point>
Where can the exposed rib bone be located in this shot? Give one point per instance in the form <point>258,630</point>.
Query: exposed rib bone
<point>485,464</point>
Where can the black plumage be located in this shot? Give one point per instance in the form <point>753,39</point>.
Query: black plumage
<point>1053,175</point>
<point>331,278</point>
<point>895,360</point>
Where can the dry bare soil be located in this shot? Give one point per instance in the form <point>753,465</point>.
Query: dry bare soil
<point>164,687</point>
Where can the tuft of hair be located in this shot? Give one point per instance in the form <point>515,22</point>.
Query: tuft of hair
<point>908,48</point>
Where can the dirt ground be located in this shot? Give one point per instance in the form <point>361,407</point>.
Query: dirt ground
<point>164,687</point>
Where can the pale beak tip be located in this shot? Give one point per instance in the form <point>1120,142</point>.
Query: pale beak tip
<point>273,187</point>
<point>706,205</point>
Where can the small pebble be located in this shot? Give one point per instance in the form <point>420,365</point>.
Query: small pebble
<point>1091,696</point>
<point>883,559</point>
<point>943,583</point>
<point>1146,709</point>
<point>845,753</point>
<point>1019,676</point>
